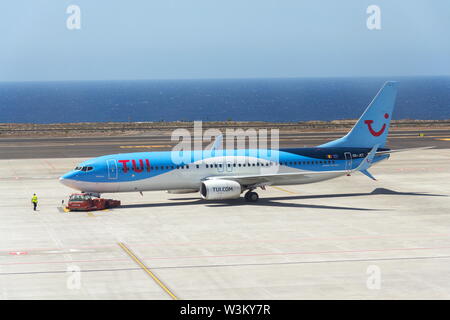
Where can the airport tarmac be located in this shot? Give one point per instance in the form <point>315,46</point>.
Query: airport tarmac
<point>94,146</point>
<point>348,238</point>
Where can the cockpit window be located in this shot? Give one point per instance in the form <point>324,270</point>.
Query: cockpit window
<point>84,168</point>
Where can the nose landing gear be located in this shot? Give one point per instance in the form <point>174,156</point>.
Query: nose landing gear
<point>251,196</point>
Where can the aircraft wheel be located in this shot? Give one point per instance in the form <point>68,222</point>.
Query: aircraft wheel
<point>251,196</point>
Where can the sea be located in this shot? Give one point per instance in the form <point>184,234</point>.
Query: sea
<point>274,100</point>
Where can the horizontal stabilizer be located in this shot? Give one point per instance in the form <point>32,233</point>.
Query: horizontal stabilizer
<point>379,153</point>
<point>367,173</point>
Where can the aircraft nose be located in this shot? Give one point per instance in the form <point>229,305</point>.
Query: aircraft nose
<point>67,179</point>
<point>63,180</point>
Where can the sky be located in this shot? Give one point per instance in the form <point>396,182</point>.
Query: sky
<point>196,39</point>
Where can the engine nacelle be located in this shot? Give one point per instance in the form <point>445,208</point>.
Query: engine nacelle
<point>220,189</point>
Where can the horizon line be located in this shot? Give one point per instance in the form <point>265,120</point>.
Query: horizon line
<point>230,78</point>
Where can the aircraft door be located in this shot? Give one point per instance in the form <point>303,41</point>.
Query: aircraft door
<point>348,161</point>
<point>221,166</point>
<point>112,169</point>
<point>229,166</point>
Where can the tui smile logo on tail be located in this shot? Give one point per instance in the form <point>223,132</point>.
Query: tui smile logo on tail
<point>373,132</point>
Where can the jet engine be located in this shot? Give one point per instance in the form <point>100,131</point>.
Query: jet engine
<point>220,189</point>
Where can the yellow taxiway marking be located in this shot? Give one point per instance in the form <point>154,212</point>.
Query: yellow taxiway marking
<point>417,136</point>
<point>144,267</point>
<point>92,215</point>
<point>151,146</point>
<point>282,189</point>
<point>444,139</point>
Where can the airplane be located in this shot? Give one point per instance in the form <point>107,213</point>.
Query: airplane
<point>226,174</point>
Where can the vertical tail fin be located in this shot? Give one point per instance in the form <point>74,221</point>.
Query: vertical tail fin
<point>373,126</point>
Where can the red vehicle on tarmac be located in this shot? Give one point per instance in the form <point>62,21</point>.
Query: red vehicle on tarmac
<point>87,202</point>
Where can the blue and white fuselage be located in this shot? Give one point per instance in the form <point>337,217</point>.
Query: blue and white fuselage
<point>145,171</point>
<point>225,174</point>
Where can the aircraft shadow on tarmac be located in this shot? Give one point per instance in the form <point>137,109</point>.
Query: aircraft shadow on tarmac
<point>272,201</point>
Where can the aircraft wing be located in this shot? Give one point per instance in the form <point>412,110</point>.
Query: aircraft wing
<point>269,179</point>
<point>297,177</point>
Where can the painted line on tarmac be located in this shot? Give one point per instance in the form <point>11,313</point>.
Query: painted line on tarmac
<point>237,255</point>
<point>238,242</point>
<point>232,265</point>
<point>144,267</point>
<point>282,189</point>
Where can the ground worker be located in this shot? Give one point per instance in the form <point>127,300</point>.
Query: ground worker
<point>34,201</point>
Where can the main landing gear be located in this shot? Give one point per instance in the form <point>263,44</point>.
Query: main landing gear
<point>251,196</point>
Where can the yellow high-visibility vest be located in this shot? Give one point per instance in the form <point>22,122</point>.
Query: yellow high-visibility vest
<point>34,199</point>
